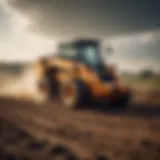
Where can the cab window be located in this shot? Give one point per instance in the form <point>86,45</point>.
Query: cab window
<point>67,52</point>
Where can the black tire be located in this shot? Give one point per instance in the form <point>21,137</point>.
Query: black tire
<point>121,103</point>
<point>50,84</point>
<point>77,98</point>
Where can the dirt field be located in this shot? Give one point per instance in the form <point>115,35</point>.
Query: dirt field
<point>32,131</point>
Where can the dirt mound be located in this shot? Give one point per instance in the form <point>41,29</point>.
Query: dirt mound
<point>32,131</point>
<point>16,144</point>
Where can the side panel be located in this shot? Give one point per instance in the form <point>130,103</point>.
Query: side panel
<point>68,71</point>
<point>65,69</point>
<point>96,87</point>
<point>71,70</point>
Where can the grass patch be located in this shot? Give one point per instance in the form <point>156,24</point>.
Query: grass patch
<point>143,84</point>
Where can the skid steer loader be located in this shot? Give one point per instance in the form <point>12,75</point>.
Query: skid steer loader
<point>77,74</point>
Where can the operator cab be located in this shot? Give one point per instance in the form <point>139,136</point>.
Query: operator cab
<point>87,52</point>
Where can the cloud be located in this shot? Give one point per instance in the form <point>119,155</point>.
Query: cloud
<point>89,17</point>
<point>33,27</point>
<point>137,51</point>
<point>18,43</point>
<point>142,45</point>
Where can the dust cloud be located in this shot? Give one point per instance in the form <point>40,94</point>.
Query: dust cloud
<point>20,85</point>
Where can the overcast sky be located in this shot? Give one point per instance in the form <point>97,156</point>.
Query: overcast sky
<point>29,28</point>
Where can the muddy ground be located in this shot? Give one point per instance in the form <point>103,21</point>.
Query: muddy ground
<point>31,131</point>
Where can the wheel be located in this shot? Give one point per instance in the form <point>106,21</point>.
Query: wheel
<point>71,94</point>
<point>122,102</point>
<point>48,86</point>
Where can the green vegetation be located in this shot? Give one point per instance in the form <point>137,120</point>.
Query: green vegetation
<point>140,83</point>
